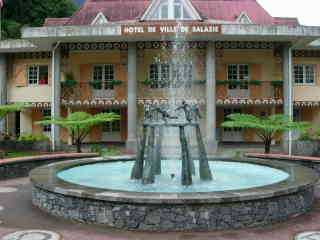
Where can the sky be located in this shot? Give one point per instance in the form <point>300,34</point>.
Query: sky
<point>307,11</point>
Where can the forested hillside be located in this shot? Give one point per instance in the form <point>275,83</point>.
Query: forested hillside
<point>19,13</point>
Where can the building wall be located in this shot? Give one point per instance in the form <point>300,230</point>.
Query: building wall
<point>263,66</point>
<point>308,92</point>
<point>81,66</point>
<point>18,88</point>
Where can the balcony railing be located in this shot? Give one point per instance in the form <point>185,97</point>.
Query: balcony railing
<point>84,91</point>
<point>256,90</point>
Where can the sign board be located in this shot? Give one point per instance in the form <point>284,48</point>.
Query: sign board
<point>169,28</point>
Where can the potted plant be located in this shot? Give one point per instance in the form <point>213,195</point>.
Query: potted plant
<point>69,81</point>
<point>222,82</point>
<point>255,82</point>
<point>116,82</point>
<point>95,84</point>
<point>199,82</point>
<point>147,82</point>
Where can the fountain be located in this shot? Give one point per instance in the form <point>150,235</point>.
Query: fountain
<point>170,195</point>
<point>153,192</point>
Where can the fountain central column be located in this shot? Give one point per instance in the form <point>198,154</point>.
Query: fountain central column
<point>132,98</point>
<point>211,98</point>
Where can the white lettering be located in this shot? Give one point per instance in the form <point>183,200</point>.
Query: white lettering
<point>133,30</point>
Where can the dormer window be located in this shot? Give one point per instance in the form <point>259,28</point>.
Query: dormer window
<point>164,10</point>
<point>178,9</point>
<point>243,18</point>
<point>171,10</point>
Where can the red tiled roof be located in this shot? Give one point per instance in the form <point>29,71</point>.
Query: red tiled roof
<point>55,21</point>
<point>128,10</point>
<point>286,21</point>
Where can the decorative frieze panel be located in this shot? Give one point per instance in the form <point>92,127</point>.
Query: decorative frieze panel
<point>306,104</point>
<point>170,45</point>
<point>94,46</point>
<point>38,55</point>
<point>33,55</point>
<point>159,101</point>
<point>245,45</point>
<point>247,101</point>
<point>306,53</point>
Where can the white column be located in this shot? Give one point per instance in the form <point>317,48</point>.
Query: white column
<point>26,121</point>
<point>211,98</point>
<point>132,98</point>
<point>3,86</point>
<point>55,96</point>
<point>287,93</point>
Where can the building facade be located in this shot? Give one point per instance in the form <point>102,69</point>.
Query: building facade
<point>241,60</point>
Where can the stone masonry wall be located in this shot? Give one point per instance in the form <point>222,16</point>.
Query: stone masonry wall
<point>161,217</point>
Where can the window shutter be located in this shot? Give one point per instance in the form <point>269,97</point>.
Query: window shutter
<point>85,78</point>
<point>256,72</point>
<point>222,70</point>
<point>222,90</point>
<point>20,75</point>
<point>120,73</point>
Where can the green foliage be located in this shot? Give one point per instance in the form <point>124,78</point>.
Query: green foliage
<point>116,82</point>
<point>96,149</point>
<point>255,82</point>
<point>79,124</point>
<point>6,109</point>
<point>147,82</point>
<point>96,84</point>
<point>265,128</point>
<point>20,13</point>
<point>30,138</point>
<point>105,152</point>
<point>238,83</point>
<point>277,83</point>
<point>69,82</point>
<point>110,151</point>
<point>199,82</point>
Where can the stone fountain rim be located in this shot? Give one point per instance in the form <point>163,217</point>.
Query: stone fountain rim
<point>300,178</point>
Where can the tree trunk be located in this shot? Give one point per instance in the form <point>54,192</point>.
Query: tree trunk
<point>267,146</point>
<point>79,146</point>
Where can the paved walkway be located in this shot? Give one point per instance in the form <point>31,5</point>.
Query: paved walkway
<point>19,214</point>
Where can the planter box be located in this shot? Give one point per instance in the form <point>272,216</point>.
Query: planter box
<point>305,148</point>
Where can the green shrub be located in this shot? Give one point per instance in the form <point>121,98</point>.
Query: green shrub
<point>96,149</point>
<point>30,138</point>
<point>110,151</point>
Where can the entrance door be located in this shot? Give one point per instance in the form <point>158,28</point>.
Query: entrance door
<point>111,131</point>
<point>232,134</point>
<point>238,75</point>
<point>17,124</point>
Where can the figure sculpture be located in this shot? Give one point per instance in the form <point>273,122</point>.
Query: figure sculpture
<point>148,162</point>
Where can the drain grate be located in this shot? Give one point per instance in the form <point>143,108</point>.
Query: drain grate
<point>32,235</point>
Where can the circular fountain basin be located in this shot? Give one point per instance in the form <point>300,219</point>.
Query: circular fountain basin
<point>244,193</point>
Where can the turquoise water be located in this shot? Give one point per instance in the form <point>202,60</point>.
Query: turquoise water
<point>226,176</point>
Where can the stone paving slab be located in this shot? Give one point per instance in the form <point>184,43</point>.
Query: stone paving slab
<point>19,214</point>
